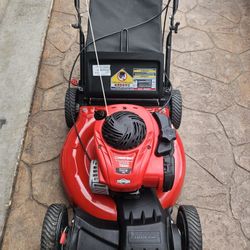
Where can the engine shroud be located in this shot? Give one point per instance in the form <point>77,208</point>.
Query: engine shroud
<point>122,170</point>
<point>124,130</point>
<point>126,141</point>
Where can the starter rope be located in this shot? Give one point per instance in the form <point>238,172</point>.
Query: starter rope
<point>97,57</point>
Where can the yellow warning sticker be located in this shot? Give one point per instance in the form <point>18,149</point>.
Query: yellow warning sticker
<point>122,77</point>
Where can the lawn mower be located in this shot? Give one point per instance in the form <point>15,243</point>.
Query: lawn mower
<point>123,162</point>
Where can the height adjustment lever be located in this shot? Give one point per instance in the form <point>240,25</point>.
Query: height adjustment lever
<point>167,135</point>
<point>75,25</point>
<point>175,27</point>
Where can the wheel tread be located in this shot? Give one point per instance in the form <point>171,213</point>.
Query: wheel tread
<point>51,220</point>
<point>70,106</point>
<point>192,221</point>
<point>176,108</point>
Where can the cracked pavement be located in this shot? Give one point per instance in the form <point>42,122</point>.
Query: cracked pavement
<point>211,66</point>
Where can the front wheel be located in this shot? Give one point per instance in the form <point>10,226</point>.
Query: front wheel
<point>176,108</point>
<point>55,221</point>
<point>70,107</point>
<point>188,222</point>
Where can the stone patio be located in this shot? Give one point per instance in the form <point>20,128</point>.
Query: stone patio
<point>211,66</point>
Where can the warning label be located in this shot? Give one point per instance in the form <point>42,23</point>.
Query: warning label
<point>122,80</point>
<point>143,79</point>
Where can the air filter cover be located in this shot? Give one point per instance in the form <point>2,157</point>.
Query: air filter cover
<point>124,130</point>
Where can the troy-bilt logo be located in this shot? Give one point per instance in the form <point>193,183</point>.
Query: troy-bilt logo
<point>124,161</point>
<point>148,237</point>
<point>123,181</point>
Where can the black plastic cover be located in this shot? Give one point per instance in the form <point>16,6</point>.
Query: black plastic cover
<point>109,16</point>
<point>167,135</point>
<point>143,223</point>
<point>89,232</point>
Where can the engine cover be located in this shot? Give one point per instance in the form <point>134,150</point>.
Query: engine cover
<point>126,142</point>
<point>124,130</point>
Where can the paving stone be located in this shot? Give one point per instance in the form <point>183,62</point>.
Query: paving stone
<point>201,93</point>
<point>245,26</point>
<point>68,62</point>
<point>220,231</point>
<point>244,6</point>
<point>242,156</point>
<point>226,8</point>
<point>37,101</point>
<point>49,76</point>
<point>231,42</point>
<point>60,27</point>
<point>245,59</point>
<point>240,201</point>
<point>45,137</point>
<point>46,184</point>
<point>174,56</point>
<point>189,39</point>
<point>187,5</point>
<point>64,6</point>
<point>236,122</point>
<point>204,19</point>
<point>202,190</point>
<point>23,230</point>
<point>51,55</point>
<point>206,142</point>
<point>240,175</point>
<point>22,191</point>
<point>214,63</point>
<point>54,97</point>
<point>241,90</point>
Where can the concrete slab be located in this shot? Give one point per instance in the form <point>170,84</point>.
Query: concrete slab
<point>3,5</point>
<point>22,32</point>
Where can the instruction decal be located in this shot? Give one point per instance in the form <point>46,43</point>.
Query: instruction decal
<point>145,78</point>
<point>104,69</point>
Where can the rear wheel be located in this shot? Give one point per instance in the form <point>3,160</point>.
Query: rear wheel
<point>188,222</point>
<point>176,108</point>
<point>55,221</point>
<point>71,107</point>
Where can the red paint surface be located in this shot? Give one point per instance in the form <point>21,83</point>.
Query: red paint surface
<point>147,169</point>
